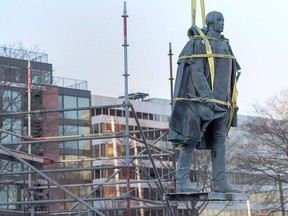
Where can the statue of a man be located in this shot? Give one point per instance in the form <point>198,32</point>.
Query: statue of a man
<point>203,105</point>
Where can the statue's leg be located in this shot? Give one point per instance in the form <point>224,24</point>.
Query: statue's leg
<point>183,183</point>
<point>218,151</point>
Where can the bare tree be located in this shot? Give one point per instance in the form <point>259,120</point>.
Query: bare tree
<point>266,156</point>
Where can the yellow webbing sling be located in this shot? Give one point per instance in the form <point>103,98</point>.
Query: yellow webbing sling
<point>210,56</point>
<point>193,10</point>
<point>233,106</point>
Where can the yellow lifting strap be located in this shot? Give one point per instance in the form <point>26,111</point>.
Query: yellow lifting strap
<point>208,55</point>
<point>203,13</point>
<point>210,59</point>
<point>233,107</point>
<point>200,99</point>
<point>193,12</point>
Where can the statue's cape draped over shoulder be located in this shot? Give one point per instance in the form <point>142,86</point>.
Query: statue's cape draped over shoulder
<point>186,125</point>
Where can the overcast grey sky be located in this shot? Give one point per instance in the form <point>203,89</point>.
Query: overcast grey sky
<point>84,41</point>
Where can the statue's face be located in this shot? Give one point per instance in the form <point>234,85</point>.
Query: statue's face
<point>218,23</point>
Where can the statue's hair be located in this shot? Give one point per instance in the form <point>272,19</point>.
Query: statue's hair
<point>210,17</point>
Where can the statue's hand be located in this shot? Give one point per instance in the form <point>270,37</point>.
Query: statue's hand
<point>211,105</point>
<point>206,111</point>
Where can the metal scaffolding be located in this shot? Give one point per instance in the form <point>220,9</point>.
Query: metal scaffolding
<point>150,151</point>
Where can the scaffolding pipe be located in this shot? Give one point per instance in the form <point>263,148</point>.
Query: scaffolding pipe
<point>126,107</point>
<point>139,185</point>
<point>41,140</point>
<point>29,127</point>
<point>106,183</point>
<point>61,201</point>
<point>151,159</point>
<point>82,211</point>
<point>78,138</point>
<point>171,72</point>
<point>50,180</point>
<point>59,110</point>
<point>152,146</point>
<point>172,95</point>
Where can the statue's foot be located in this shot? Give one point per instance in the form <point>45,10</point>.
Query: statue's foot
<point>225,187</point>
<point>186,186</point>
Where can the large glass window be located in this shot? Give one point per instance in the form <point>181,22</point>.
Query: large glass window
<point>11,101</point>
<point>66,102</point>
<point>40,76</point>
<point>70,102</point>
<point>71,130</point>
<point>9,73</point>
<point>83,114</point>
<point>72,127</point>
<point>12,125</point>
<point>85,144</point>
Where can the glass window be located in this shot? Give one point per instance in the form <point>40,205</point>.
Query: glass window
<point>11,101</point>
<point>4,193</point>
<point>105,111</point>
<point>119,113</point>
<point>157,117</point>
<point>96,151</point>
<point>112,112</point>
<point>4,137</point>
<point>84,144</point>
<point>47,77</point>
<point>70,102</point>
<point>40,76</point>
<point>60,101</point>
<point>96,128</point>
<point>16,101</point>
<point>83,114</point>
<point>139,115</point>
<point>108,128</point>
<point>70,130</point>
<point>60,105</point>
<point>98,111</point>
<point>71,145</point>
<point>145,115</point>
<point>16,128</point>
<point>36,76</point>
<point>6,101</point>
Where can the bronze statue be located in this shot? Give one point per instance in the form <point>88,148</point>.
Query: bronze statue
<point>204,102</point>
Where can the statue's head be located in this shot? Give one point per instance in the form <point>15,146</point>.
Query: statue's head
<point>215,20</point>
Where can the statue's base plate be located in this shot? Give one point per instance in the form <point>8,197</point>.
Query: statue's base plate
<point>209,196</point>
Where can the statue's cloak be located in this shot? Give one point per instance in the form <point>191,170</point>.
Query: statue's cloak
<point>188,124</point>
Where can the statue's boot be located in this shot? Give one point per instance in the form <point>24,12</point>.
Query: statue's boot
<point>220,183</point>
<point>183,183</point>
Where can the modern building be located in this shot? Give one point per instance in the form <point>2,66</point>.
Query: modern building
<point>153,116</point>
<point>47,93</point>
